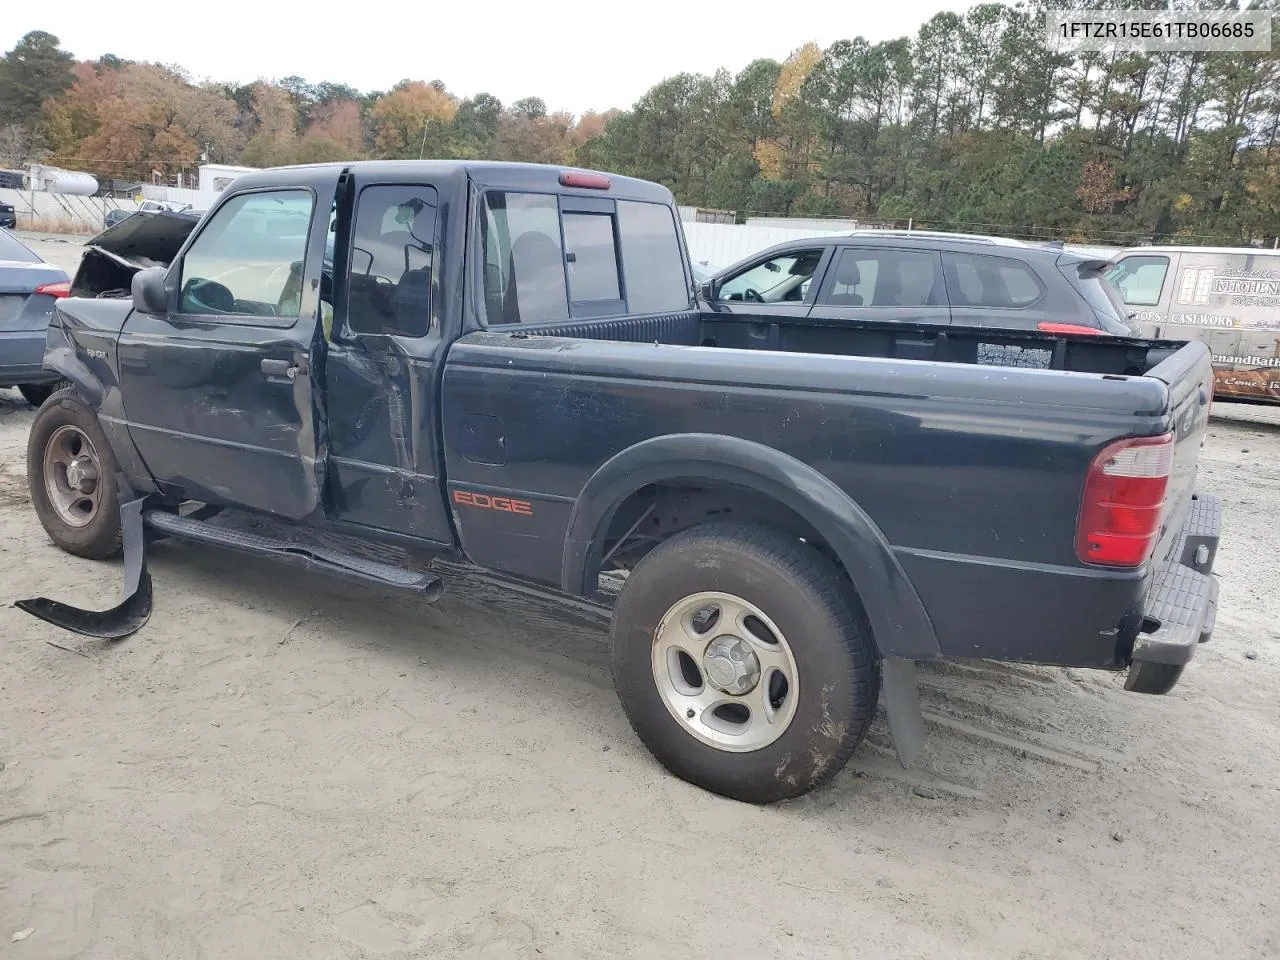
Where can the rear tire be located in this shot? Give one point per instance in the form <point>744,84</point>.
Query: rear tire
<point>757,746</point>
<point>80,515</point>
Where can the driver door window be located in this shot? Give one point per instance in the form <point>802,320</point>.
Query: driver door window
<point>248,261</point>
<point>781,279</point>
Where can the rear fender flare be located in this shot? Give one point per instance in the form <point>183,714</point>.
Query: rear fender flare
<point>900,624</point>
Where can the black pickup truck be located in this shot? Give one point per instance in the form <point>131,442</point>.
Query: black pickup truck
<point>387,370</point>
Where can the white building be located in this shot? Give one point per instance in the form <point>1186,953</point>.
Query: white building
<point>212,180</point>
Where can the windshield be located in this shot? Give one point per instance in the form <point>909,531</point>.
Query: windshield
<point>12,250</point>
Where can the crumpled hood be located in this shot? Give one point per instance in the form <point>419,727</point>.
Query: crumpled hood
<point>145,239</point>
<point>148,239</point>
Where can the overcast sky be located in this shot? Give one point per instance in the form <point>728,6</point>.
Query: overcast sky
<point>576,56</point>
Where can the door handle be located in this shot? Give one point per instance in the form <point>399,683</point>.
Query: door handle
<point>279,368</point>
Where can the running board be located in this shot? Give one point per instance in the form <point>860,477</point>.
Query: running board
<point>130,614</point>
<point>322,559</point>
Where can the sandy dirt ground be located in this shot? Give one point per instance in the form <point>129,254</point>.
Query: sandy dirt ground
<point>282,766</point>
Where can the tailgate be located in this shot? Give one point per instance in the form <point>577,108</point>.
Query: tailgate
<point>1189,377</point>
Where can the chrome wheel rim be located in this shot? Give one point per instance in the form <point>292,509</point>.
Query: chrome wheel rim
<point>72,476</point>
<point>725,672</point>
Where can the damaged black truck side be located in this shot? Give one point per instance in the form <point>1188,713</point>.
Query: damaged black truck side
<point>384,371</point>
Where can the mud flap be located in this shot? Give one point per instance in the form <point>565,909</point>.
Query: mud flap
<point>128,616</point>
<point>902,705</point>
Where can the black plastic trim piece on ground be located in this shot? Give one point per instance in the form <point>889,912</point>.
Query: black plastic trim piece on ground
<point>128,616</point>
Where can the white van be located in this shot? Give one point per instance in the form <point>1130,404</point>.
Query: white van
<point>1226,297</point>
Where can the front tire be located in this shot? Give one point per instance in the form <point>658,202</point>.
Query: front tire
<point>743,661</point>
<point>71,478</point>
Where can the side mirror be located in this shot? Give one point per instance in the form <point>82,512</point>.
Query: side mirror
<point>149,294</point>
<point>706,290</point>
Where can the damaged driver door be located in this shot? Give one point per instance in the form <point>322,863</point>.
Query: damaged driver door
<point>216,367</point>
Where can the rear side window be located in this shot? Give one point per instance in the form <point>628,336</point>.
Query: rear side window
<point>882,278</point>
<point>546,260</point>
<point>393,246</point>
<point>977,280</point>
<point>1140,280</point>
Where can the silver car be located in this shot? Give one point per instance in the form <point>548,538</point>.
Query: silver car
<point>28,289</point>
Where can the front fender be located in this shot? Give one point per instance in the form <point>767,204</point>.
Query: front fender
<point>60,357</point>
<point>80,345</point>
<point>898,619</point>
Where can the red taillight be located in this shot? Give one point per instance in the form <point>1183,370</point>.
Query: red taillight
<point>1069,328</point>
<point>1124,499</point>
<point>580,178</point>
<point>60,289</point>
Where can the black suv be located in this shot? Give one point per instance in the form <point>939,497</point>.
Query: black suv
<point>8,216</point>
<point>925,278</point>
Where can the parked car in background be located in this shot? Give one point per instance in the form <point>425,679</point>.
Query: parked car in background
<point>1226,297</point>
<point>119,214</point>
<point>8,216</point>
<point>116,215</point>
<point>28,289</point>
<point>927,279</point>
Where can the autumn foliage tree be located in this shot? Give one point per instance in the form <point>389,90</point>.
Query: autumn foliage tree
<point>413,120</point>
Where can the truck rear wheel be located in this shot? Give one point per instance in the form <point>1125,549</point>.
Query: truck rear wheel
<point>71,477</point>
<point>743,662</point>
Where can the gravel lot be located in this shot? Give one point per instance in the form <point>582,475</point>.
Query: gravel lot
<point>282,766</point>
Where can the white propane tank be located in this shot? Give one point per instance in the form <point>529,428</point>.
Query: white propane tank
<point>70,182</point>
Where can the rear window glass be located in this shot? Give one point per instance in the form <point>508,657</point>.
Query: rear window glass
<point>1097,292</point>
<point>592,257</point>
<point>524,278</point>
<point>651,259</point>
<point>11,249</point>
<point>543,264</point>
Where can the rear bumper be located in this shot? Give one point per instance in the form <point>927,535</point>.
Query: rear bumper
<point>1182,604</point>
<point>22,358</point>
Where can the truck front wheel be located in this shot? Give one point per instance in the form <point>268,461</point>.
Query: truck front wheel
<point>743,662</point>
<point>71,478</point>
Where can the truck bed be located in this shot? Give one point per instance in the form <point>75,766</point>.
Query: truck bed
<point>985,346</point>
<point>970,468</point>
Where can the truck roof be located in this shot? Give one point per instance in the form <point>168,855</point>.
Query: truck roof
<point>539,177</point>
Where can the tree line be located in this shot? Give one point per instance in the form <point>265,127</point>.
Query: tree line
<point>973,124</point>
